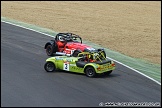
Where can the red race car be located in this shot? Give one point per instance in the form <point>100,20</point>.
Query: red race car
<point>68,44</point>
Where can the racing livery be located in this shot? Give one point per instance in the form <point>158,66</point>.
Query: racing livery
<point>68,44</point>
<point>89,63</point>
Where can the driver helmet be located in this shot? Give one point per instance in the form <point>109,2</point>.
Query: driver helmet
<point>61,38</point>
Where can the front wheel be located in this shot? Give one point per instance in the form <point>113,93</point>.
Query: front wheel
<point>75,53</point>
<point>49,66</point>
<point>90,72</point>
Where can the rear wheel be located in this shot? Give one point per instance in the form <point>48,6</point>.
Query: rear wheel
<point>90,72</point>
<point>49,50</point>
<point>49,66</point>
<point>51,47</point>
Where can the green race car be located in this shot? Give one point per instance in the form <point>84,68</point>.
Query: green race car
<point>89,63</point>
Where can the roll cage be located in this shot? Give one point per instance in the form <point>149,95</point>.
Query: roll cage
<point>92,56</point>
<point>68,37</point>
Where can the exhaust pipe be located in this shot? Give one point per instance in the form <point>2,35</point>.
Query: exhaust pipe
<point>62,54</point>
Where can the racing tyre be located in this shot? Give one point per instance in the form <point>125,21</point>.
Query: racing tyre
<point>108,73</point>
<point>49,67</point>
<point>90,72</point>
<point>76,52</point>
<point>49,50</point>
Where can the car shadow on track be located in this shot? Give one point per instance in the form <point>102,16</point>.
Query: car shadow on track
<point>112,75</point>
<point>97,76</point>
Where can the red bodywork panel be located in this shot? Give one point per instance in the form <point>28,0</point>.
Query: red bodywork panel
<point>76,46</point>
<point>69,47</point>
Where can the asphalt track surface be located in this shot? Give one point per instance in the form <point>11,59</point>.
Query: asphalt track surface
<point>25,83</point>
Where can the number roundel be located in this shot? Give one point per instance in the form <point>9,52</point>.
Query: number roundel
<point>66,66</point>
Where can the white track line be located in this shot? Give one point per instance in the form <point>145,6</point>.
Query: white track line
<point>107,57</point>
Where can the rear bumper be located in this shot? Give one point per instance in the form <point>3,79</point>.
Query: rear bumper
<point>104,70</point>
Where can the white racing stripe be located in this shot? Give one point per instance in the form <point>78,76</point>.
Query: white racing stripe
<point>107,57</point>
